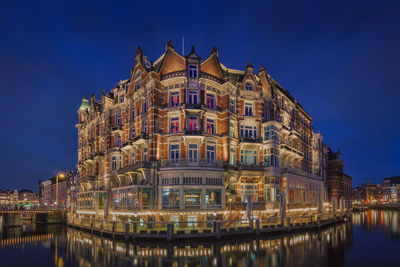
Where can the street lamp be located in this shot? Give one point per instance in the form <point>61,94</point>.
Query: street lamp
<point>61,175</point>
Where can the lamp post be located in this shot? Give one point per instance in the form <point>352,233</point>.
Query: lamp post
<point>61,175</point>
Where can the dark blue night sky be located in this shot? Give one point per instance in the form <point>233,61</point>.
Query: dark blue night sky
<point>339,59</point>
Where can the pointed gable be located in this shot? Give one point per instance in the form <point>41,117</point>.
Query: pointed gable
<point>212,66</point>
<point>250,77</point>
<point>266,87</point>
<point>172,61</point>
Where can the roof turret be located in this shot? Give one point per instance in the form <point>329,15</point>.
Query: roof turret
<point>85,105</point>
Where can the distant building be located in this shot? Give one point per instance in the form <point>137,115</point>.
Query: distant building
<point>391,189</point>
<point>339,184</point>
<point>5,197</point>
<point>23,197</point>
<point>27,197</point>
<point>357,195</point>
<point>48,189</point>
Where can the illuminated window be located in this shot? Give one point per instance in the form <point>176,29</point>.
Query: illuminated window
<point>249,190</point>
<point>193,73</point>
<point>193,123</point>
<point>210,127</point>
<point>174,125</point>
<point>210,101</point>
<point>174,99</point>
<point>170,198</point>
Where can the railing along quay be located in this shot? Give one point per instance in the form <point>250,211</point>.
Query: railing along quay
<point>204,229</point>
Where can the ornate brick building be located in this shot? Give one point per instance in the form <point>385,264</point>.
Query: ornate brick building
<point>182,134</point>
<point>339,184</point>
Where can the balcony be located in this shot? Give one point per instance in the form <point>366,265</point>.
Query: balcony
<point>134,167</point>
<point>193,106</point>
<point>115,149</point>
<point>244,139</point>
<point>251,167</point>
<point>298,172</point>
<point>142,136</point>
<point>99,155</point>
<point>193,132</point>
<point>88,178</point>
<point>89,159</point>
<point>127,144</point>
<point>288,148</point>
<point>202,163</point>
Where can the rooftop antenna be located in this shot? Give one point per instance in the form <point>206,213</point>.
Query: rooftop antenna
<point>183,46</point>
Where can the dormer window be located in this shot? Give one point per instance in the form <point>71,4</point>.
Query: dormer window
<point>121,99</point>
<point>192,71</point>
<point>249,87</point>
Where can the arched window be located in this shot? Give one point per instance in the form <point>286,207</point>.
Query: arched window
<point>249,87</point>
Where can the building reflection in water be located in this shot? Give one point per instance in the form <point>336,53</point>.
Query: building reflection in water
<point>387,221</point>
<point>325,247</point>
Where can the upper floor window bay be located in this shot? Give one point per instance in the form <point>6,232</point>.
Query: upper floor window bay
<point>193,71</point>
<point>193,123</point>
<point>192,97</point>
<point>249,87</point>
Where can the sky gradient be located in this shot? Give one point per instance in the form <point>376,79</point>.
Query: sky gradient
<point>339,59</point>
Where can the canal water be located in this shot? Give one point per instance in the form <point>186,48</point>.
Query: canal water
<point>371,239</point>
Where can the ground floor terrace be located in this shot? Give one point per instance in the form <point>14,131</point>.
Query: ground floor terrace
<point>193,194</point>
<point>215,226</point>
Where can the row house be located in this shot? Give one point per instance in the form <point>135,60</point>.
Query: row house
<point>182,134</point>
